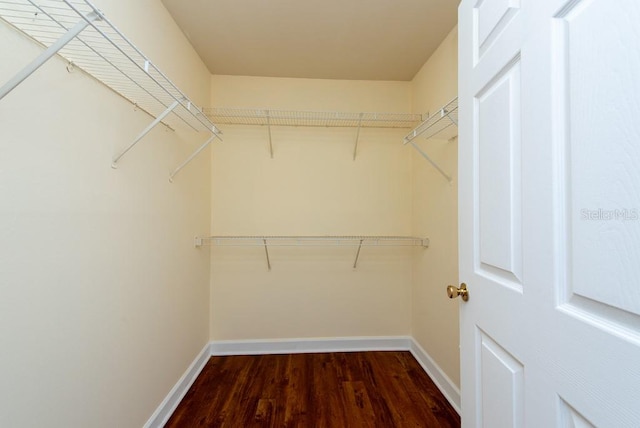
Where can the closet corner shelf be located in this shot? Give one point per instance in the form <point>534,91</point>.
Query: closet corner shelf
<point>269,118</point>
<point>437,124</point>
<point>354,241</point>
<point>83,36</point>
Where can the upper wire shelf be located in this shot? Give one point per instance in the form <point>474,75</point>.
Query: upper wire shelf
<point>444,119</point>
<point>106,54</point>
<point>269,118</point>
<point>83,36</point>
<point>444,124</point>
<point>236,116</point>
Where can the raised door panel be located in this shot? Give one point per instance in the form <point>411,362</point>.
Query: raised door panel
<point>491,17</point>
<point>501,376</point>
<point>570,418</point>
<point>598,135</point>
<point>498,139</point>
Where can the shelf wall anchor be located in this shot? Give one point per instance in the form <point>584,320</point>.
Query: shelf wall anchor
<point>48,53</point>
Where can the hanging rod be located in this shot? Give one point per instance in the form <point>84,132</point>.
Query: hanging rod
<point>445,119</point>
<point>318,241</point>
<point>82,35</point>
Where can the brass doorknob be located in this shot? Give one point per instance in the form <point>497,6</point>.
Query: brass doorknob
<point>454,292</point>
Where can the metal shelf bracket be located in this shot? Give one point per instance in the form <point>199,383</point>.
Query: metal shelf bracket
<point>355,263</point>
<point>432,126</point>
<point>355,147</point>
<point>213,136</point>
<point>266,253</point>
<point>48,53</point>
<point>148,129</point>
<point>432,162</point>
<point>269,130</point>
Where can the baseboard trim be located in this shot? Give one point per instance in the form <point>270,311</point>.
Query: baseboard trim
<point>307,345</point>
<point>300,346</point>
<point>449,389</point>
<point>177,393</point>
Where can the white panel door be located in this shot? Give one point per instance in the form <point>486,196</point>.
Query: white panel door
<point>549,212</point>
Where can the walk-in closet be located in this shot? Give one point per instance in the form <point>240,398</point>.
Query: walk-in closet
<point>267,194</point>
<point>156,212</point>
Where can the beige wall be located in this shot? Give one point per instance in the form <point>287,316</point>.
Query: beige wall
<point>434,317</point>
<point>311,187</point>
<point>103,299</point>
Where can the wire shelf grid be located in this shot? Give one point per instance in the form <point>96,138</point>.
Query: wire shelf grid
<point>444,119</point>
<point>364,241</point>
<point>237,116</point>
<point>315,241</point>
<point>103,52</point>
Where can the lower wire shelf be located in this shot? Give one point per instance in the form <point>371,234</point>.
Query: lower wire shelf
<point>318,241</point>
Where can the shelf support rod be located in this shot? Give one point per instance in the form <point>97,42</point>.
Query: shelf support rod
<point>148,129</point>
<point>47,54</point>
<point>355,147</point>
<point>193,155</point>
<point>435,165</point>
<point>266,253</point>
<point>269,130</point>
<point>355,263</point>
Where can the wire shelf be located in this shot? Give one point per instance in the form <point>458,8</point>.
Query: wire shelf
<point>444,119</point>
<point>444,123</point>
<point>313,241</point>
<point>105,53</point>
<point>235,116</point>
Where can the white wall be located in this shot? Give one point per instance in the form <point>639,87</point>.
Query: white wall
<point>435,323</point>
<point>311,187</point>
<point>103,299</point>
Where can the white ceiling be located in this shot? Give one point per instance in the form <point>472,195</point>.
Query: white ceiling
<point>322,39</point>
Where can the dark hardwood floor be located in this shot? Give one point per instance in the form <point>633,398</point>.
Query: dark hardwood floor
<point>355,389</point>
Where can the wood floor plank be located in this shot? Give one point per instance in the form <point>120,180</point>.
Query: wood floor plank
<point>357,404</point>
<point>399,389</point>
<point>356,389</point>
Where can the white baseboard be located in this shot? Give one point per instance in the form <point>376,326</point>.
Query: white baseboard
<point>300,346</point>
<point>449,389</point>
<point>177,393</point>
